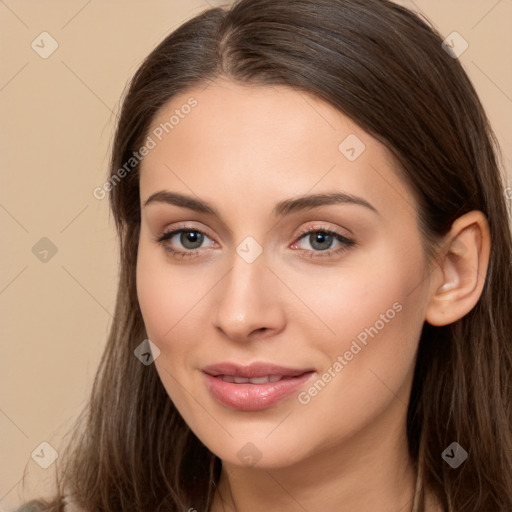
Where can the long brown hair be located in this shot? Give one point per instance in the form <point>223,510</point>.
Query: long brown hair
<point>385,68</point>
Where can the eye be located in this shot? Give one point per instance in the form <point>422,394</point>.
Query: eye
<point>187,242</point>
<point>189,239</point>
<point>321,240</point>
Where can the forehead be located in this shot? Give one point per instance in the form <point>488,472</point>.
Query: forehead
<point>223,139</point>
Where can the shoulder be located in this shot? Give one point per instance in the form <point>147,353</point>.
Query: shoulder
<point>39,506</point>
<point>72,505</point>
<point>64,504</point>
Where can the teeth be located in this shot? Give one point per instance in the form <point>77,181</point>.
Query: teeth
<point>259,380</point>
<point>253,380</point>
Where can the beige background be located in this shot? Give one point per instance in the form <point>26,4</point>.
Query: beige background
<point>57,121</point>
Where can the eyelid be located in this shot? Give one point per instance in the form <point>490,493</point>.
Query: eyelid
<point>183,227</point>
<point>324,228</point>
<point>345,241</point>
<point>184,253</point>
<point>168,233</point>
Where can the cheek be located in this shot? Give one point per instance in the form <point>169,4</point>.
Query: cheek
<point>376,312</point>
<point>167,294</point>
<point>167,298</point>
<point>367,297</point>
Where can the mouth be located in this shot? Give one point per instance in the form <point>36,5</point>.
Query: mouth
<point>253,380</point>
<point>253,387</point>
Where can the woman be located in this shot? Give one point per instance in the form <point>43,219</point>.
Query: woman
<point>314,307</point>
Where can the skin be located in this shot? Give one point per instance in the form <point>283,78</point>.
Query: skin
<point>243,149</point>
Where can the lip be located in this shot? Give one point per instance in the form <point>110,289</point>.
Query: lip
<point>249,396</point>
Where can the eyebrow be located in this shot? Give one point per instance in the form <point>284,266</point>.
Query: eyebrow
<point>280,209</point>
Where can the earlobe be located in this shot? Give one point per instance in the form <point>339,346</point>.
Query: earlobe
<point>458,282</point>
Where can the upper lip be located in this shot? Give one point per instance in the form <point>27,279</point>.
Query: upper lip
<point>253,370</point>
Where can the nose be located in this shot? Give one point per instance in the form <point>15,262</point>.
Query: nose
<point>247,302</point>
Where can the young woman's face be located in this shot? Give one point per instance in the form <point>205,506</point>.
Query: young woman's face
<point>278,244</point>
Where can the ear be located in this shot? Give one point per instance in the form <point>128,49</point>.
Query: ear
<point>463,260</point>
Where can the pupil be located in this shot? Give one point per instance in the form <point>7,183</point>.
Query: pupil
<point>319,238</point>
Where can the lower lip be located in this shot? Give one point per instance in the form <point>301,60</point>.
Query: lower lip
<point>254,397</point>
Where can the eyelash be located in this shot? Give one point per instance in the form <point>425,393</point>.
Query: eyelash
<point>347,243</point>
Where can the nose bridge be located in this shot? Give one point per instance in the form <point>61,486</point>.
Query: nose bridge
<point>247,300</point>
